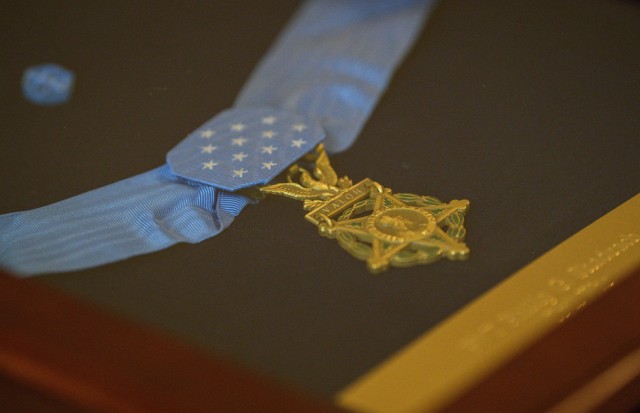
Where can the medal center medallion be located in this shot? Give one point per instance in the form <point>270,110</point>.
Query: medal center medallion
<point>401,224</point>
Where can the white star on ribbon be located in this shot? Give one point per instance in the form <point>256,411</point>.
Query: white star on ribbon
<point>298,143</point>
<point>299,127</point>
<point>268,134</point>
<point>269,149</point>
<point>238,141</point>
<point>207,133</point>
<point>239,172</point>
<point>268,165</point>
<point>239,156</point>
<point>209,165</point>
<point>269,120</point>
<point>238,127</point>
<point>209,148</point>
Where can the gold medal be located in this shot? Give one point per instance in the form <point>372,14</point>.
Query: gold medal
<point>371,222</point>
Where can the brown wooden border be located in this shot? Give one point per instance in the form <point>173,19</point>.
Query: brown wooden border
<point>589,363</point>
<point>61,355</point>
<point>58,354</point>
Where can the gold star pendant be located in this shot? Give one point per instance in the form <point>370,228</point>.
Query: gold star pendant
<point>372,223</point>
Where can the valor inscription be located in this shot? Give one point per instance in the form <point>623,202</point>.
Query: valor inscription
<point>341,202</point>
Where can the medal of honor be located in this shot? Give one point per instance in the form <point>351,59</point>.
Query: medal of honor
<point>371,222</point>
<point>319,82</point>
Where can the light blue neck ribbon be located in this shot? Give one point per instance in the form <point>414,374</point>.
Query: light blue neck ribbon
<point>330,65</point>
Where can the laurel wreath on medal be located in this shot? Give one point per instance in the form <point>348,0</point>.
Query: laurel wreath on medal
<point>453,223</point>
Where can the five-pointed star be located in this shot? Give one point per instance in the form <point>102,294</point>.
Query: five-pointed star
<point>207,133</point>
<point>239,156</point>
<point>268,165</point>
<point>209,165</point>
<point>269,120</point>
<point>418,232</point>
<point>269,149</point>
<point>238,127</point>
<point>299,127</point>
<point>298,143</point>
<point>237,173</point>
<point>238,141</point>
<point>209,148</point>
<point>268,134</point>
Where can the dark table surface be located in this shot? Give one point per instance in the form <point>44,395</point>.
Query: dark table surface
<point>529,109</point>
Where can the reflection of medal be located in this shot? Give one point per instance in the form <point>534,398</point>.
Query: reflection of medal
<point>372,223</point>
